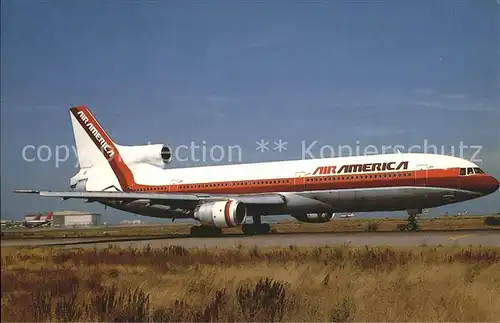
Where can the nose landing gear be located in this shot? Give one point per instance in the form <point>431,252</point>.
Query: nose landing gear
<point>412,224</point>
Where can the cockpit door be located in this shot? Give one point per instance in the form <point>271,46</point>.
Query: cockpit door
<point>421,174</point>
<point>174,185</point>
<point>300,181</point>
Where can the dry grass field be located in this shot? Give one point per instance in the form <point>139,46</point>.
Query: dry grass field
<point>250,284</point>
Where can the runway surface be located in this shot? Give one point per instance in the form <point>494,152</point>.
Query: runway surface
<point>464,238</point>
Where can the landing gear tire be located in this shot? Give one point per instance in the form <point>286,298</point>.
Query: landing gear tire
<point>265,228</point>
<point>412,222</point>
<point>256,229</point>
<point>205,231</point>
<point>412,226</point>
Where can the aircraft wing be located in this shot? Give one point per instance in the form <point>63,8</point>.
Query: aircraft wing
<point>162,198</point>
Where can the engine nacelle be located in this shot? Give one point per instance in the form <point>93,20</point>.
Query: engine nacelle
<point>157,155</point>
<point>314,217</point>
<point>221,214</point>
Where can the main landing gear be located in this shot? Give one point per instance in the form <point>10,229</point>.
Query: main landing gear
<point>412,224</point>
<point>205,231</point>
<point>257,227</point>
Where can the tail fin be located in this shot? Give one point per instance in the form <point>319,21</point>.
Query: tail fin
<point>94,147</point>
<point>49,216</point>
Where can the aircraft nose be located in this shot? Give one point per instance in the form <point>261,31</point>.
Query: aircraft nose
<point>484,184</point>
<point>494,184</point>
<point>490,185</point>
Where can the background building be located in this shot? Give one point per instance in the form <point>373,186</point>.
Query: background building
<point>76,218</point>
<point>69,218</point>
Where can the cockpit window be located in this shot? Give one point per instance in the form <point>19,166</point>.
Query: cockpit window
<point>471,171</point>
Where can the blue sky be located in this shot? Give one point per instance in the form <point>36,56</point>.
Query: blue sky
<point>231,73</point>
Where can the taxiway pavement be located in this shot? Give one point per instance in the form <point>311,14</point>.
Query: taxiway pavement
<point>463,238</point>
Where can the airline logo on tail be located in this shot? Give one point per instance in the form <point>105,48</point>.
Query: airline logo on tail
<point>104,143</point>
<point>96,134</point>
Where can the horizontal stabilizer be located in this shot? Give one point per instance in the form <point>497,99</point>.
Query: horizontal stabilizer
<point>27,191</point>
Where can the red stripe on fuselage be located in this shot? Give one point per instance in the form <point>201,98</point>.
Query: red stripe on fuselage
<point>443,178</point>
<point>227,214</point>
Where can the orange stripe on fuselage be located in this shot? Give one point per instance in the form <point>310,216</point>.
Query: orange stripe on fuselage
<point>444,178</point>
<point>122,172</point>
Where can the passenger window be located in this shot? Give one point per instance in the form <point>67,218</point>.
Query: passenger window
<point>470,171</point>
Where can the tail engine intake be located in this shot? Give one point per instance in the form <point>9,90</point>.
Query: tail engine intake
<point>166,154</point>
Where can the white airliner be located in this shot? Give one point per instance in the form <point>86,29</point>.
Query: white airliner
<point>38,221</point>
<point>346,215</point>
<point>137,179</point>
